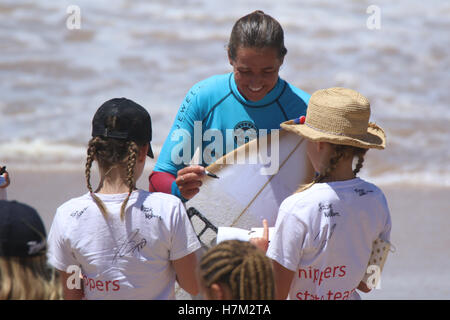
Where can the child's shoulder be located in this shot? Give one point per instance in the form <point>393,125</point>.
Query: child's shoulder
<point>302,201</point>
<point>164,198</point>
<point>313,194</point>
<point>365,187</point>
<point>84,199</point>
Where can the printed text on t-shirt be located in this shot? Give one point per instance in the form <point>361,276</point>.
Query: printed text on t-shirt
<point>319,275</point>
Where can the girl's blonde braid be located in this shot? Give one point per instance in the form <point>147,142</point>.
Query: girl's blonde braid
<point>131,164</point>
<point>92,150</point>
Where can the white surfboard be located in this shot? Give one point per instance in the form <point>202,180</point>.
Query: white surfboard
<point>244,194</point>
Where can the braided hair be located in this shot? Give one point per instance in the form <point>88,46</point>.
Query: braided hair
<point>340,151</point>
<point>242,267</point>
<point>109,153</point>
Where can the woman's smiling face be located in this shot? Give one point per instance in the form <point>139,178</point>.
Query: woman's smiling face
<point>256,71</point>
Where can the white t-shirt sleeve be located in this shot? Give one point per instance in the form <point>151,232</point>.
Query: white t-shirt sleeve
<point>59,252</point>
<point>288,239</point>
<point>184,239</point>
<point>386,232</point>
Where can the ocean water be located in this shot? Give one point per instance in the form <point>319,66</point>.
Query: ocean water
<point>52,78</point>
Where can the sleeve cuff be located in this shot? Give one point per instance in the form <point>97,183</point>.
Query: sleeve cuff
<point>192,248</point>
<point>176,192</point>
<point>287,264</point>
<point>56,264</point>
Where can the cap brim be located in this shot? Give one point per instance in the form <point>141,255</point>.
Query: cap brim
<point>375,137</point>
<point>150,151</point>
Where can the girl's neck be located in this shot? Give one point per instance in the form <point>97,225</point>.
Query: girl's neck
<point>113,188</point>
<point>113,182</point>
<point>342,172</point>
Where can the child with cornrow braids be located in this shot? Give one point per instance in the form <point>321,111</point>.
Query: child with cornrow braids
<point>325,233</point>
<point>236,270</point>
<point>124,243</point>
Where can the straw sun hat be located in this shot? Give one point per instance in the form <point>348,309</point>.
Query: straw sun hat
<point>338,116</point>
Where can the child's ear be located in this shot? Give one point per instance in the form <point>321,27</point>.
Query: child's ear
<point>143,153</point>
<point>230,61</point>
<point>216,292</point>
<point>219,291</point>
<point>320,145</point>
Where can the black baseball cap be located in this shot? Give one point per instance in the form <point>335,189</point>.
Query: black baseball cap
<point>22,233</point>
<point>122,118</point>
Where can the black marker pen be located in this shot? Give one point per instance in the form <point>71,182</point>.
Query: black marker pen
<point>210,174</point>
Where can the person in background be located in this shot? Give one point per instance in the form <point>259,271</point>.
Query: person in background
<point>236,270</point>
<point>125,243</point>
<point>4,183</point>
<point>24,271</point>
<point>251,98</point>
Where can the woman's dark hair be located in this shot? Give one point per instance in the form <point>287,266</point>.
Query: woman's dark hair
<point>257,30</point>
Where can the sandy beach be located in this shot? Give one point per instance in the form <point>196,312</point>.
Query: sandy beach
<point>417,269</point>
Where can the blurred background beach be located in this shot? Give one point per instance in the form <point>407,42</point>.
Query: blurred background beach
<point>53,78</point>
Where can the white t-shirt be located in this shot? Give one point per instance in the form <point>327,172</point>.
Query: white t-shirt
<point>128,259</point>
<point>325,235</point>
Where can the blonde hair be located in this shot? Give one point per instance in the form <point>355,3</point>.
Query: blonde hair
<point>340,151</point>
<point>242,267</point>
<point>108,153</point>
<point>28,278</point>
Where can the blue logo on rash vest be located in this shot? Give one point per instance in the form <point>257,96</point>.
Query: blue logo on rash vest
<point>244,132</point>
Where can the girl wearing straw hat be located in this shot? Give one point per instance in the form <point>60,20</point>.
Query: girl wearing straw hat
<point>324,233</point>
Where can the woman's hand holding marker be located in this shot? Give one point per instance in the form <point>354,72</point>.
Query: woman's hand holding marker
<point>189,180</point>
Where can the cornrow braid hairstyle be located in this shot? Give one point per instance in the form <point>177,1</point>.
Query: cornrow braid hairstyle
<point>242,267</point>
<point>340,151</point>
<point>110,152</point>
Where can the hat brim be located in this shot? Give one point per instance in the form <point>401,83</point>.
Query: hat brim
<point>150,151</point>
<point>375,137</point>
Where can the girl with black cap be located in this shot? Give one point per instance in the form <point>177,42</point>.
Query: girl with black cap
<point>24,272</point>
<point>123,242</point>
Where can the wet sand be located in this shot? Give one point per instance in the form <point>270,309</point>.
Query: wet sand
<point>420,217</point>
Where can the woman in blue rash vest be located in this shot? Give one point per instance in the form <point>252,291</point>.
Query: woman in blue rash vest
<point>225,111</point>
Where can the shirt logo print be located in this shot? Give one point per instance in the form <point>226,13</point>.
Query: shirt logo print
<point>148,213</point>
<point>327,210</point>
<point>362,192</point>
<point>78,213</point>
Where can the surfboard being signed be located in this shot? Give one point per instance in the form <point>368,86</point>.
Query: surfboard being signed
<point>252,182</point>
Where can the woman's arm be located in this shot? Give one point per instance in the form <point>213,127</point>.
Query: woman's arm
<point>161,182</point>
<point>179,146</point>
<point>186,184</point>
